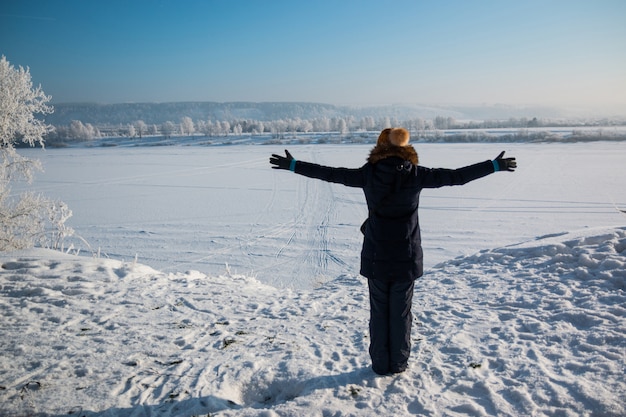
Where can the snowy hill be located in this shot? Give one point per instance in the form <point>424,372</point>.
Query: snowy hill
<point>530,329</point>
<point>124,113</point>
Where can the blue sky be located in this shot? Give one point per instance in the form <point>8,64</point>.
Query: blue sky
<point>363,52</point>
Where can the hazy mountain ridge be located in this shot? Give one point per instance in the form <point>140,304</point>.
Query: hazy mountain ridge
<point>157,113</point>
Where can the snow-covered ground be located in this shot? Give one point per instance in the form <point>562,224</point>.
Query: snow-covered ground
<point>521,311</point>
<point>203,208</point>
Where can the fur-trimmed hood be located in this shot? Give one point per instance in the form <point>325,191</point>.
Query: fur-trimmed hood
<point>383,151</point>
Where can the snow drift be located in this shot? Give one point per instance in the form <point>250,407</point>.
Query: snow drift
<point>529,329</point>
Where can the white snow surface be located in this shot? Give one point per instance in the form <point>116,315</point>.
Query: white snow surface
<point>521,311</point>
<point>533,329</point>
<point>221,208</point>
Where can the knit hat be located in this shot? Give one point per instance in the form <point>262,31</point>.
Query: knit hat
<point>397,136</point>
<point>383,138</point>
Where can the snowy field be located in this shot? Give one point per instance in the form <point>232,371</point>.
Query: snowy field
<point>219,209</point>
<point>226,288</point>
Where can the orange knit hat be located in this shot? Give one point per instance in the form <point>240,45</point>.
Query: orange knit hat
<point>383,138</point>
<point>399,136</point>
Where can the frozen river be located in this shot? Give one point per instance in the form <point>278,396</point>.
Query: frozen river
<point>221,208</point>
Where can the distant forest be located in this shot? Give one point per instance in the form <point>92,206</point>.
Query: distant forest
<point>88,121</point>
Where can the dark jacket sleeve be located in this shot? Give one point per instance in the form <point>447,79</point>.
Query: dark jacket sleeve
<point>439,177</point>
<point>352,177</point>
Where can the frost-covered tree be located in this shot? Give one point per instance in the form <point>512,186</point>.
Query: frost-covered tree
<point>167,129</point>
<point>80,131</point>
<point>202,127</point>
<point>442,122</point>
<point>367,123</point>
<point>305,126</point>
<point>130,131</point>
<point>321,124</point>
<point>24,218</point>
<point>419,125</point>
<point>141,127</point>
<point>19,104</point>
<point>186,126</point>
<point>342,126</point>
<point>278,127</point>
<point>225,127</point>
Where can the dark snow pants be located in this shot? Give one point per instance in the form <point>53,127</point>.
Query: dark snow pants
<point>390,325</point>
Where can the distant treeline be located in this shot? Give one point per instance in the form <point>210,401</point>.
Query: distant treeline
<point>159,113</point>
<point>86,122</point>
<point>437,129</point>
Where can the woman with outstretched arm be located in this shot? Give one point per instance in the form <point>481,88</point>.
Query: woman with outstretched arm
<point>391,256</point>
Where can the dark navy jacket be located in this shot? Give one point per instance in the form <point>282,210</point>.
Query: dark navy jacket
<point>392,249</point>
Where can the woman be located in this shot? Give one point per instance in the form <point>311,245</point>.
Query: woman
<point>391,257</point>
